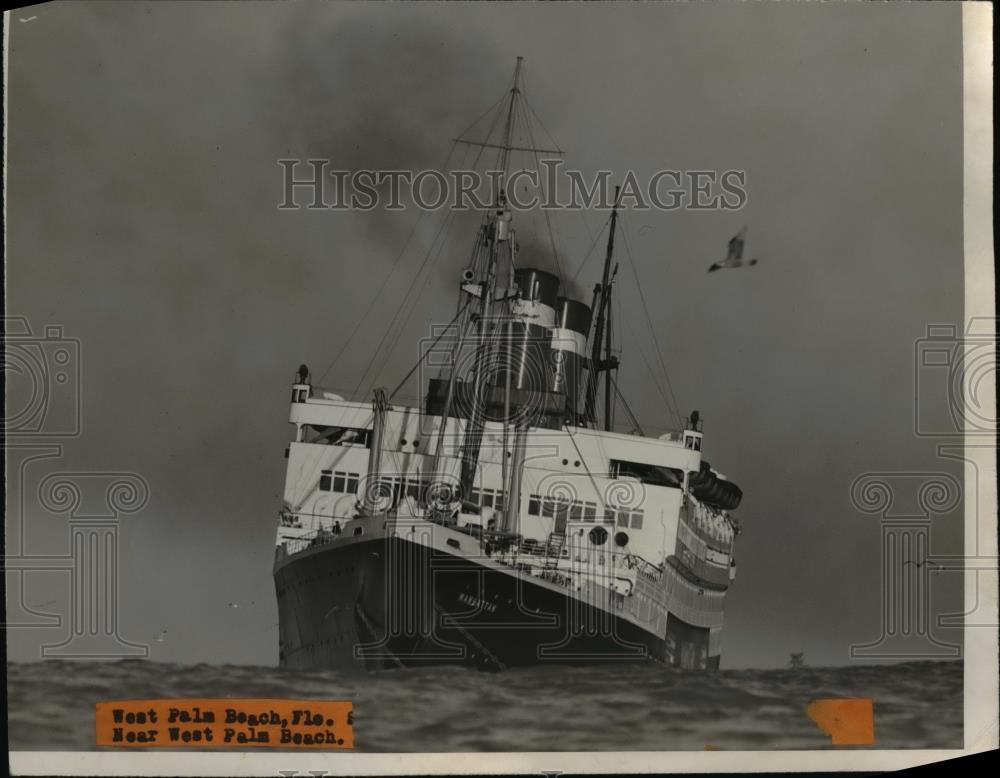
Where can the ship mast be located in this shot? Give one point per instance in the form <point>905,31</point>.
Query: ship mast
<point>495,251</point>
<point>500,243</point>
<point>602,332</point>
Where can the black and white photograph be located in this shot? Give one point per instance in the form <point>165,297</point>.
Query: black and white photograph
<point>454,387</point>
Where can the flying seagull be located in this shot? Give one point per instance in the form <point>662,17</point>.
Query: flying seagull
<point>735,256</point>
<point>938,569</point>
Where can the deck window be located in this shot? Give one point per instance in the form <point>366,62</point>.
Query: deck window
<point>654,475</point>
<point>487,498</point>
<point>338,481</point>
<point>335,436</point>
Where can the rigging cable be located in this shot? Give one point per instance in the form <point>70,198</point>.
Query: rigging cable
<point>545,211</point>
<point>395,264</point>
<point>428,351</point>
<point>399,310</point>
<point>642,297</point>
<point>442,231</point>
<point>385,280</point>
<point>593,245</point>
<point>649,368</point>
<point>628,410</point>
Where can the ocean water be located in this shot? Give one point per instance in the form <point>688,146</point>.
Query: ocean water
<point>636,708</point>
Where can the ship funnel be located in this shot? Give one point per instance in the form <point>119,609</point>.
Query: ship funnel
<point>526,346</point>
<point>525,350</point>
<point>539,297</point>
<point>569,350</point>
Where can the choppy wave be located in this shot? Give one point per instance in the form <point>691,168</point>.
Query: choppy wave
<point>634,708</point>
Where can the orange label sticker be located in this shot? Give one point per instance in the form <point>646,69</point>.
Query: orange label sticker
<point>848,721</point>
<point>225,723</point>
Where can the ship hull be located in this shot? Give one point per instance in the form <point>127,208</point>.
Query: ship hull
<point>389,602</point>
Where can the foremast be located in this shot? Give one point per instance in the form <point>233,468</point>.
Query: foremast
<point>501,249</point>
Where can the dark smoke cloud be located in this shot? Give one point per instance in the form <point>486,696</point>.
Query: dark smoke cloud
<point>377,97</point>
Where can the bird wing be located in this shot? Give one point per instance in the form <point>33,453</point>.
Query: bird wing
<point>736,245</point>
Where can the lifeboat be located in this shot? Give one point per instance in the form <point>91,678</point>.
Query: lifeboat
<point>710,488</point>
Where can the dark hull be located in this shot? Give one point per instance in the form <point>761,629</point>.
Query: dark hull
<point>386,602</point>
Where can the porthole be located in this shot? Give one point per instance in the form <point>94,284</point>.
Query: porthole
<point>598,536</point>
<point>621,538</point>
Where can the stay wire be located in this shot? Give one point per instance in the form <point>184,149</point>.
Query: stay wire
<point>385,280</point>
<point>430,348</point>
<point>649,320</point>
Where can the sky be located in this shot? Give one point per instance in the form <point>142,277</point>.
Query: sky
<point>142,218</point>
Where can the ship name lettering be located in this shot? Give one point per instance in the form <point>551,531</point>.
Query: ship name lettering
<point>475,602</point>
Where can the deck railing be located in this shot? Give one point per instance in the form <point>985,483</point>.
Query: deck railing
<point>504,548</point>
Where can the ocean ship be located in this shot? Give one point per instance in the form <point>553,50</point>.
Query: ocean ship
<point>502,520</point>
